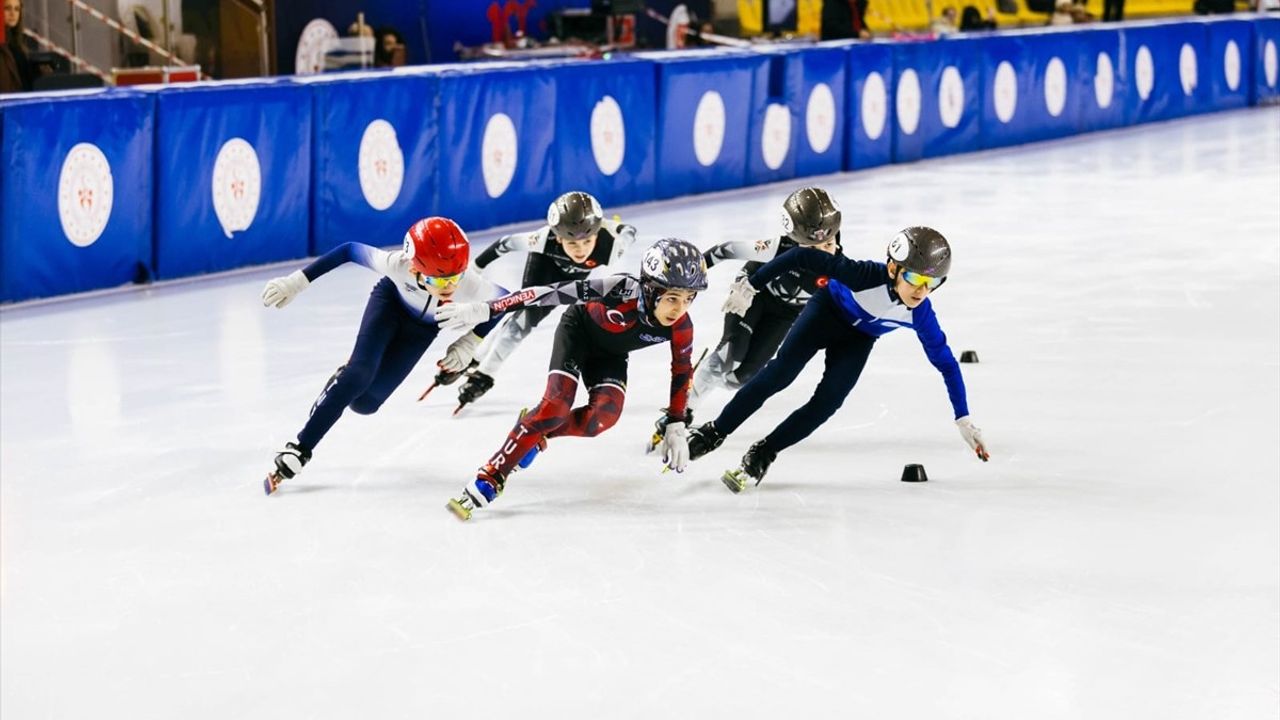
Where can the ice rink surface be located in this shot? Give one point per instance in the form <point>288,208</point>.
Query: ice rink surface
<point>1119,557</point>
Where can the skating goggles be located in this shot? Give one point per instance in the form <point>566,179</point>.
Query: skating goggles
<point>918,280</point>
<point>441,282</point>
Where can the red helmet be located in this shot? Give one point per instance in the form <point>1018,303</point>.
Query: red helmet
<point>438,247</point>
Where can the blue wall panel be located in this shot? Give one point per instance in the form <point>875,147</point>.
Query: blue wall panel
<point>1266,59</point>
<point>707,94</point>
<point>816,84</point>
<point>870,78</point>
<point>1033,89</point>
<point>937,98</point>
<point>233,168</point>
<point>1167,70</point>
<point>604,142</point>
<point>1229,72</point>
<point>775,126</point>
<point>75,194</point>
<point>374,158</point>
<point>1103,79</point>
<point>496,131</point>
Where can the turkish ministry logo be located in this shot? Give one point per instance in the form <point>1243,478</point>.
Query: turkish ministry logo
<point>775,137</point>
<point>85,194</point>
<point>820,118</point>
<point>708,128</point>
<point>498,154</point>
<point>875,105</point>
<point>381,165</point>
<point>608,135</point>
<point>237,185</point>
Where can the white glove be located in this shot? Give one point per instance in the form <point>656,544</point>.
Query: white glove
<point>675,446</point>
<point>455,316</point>
<point>740,295</point>
<point>972,434</point>
<point>459,354</point>
<point>282,290</point>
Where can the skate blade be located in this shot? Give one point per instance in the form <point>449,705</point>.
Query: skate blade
<point>427,392</point>
<point>735,480</point>
<point>271,483</point>
<point>458,409</point>
<point>458,510</point>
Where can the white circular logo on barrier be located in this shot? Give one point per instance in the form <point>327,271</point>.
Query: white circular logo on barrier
<point>1231,65</point>
<point>381,165</point>
<point>820,118</point>
<point>875,104</point>
<point>1144,71</point>
<point>86,193</point>
<point>314,42</point>
<point>1187,69</point>
<point>775,138</point>
<point>498,154</point>
<point>1269,62</point>
<point>237,185</point>
<point>908,101</point>
<point>1055,87</point>
<point>1104,82</point>
<point>608,135</point>
<point>708,128</point>
<point>1005,91</point>
<point>950,97</point>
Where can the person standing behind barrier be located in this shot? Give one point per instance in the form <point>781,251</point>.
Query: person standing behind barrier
<point>1112,10</point>
<point>844,19</point>
<point>16,73</point>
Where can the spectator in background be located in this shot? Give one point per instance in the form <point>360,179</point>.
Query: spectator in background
<point>971,19</point>
<point>390,50</point>
<point>16,73</point>
<point>945,24</point>
<point>844,19</point>
<point>1062,14</point>
<point>1112,10</point>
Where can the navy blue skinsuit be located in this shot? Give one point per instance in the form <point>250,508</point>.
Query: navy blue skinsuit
<point>845,318</point>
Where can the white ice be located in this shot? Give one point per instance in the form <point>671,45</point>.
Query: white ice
<point>1119,557</point>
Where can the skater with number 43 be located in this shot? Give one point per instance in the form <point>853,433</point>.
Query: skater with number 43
<point>861,301</point>
<point>608,318</point>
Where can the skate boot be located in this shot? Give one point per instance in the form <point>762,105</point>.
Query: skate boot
<point>660,428</point>
<point>703,439</point>
<point>328,385</point>
<point>289,462</point>
<point>477,384</point>
<point>481,491</point>
<point>754,465</point>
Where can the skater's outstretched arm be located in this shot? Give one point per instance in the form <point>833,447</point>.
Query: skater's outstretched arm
<point>854,274</point>
<point>573,292</point>
<point>282,290</point>
<point>750,250</point>
<point>513,243</point>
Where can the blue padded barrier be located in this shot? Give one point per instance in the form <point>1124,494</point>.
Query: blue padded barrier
<point>1033,89</point>
<point>1229,73</point>
<point>75,193</point>
<point>703,94</point>
<point>1103,82</point>
<point>1266,59</point>
<point>869,106</point>
<point>937,98</point>
<point>604,141</point>
<point>775,127</point>
<point>816,86</point>
<point>233,169</point>
<point>1166,65</point>
<point>374,157</point>
<point>497,125</point>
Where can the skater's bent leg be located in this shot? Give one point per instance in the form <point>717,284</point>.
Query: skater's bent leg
<point>377,327</point>
<point>601,412</point>
<point>799,348</point>
<point>550,413</point>
<point>844,363</point>
<point>400,357</point>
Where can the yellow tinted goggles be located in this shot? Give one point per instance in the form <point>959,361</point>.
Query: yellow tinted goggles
<point>441,282</point>
<point>918,280</point>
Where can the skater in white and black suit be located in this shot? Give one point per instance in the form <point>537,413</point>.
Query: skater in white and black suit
<point>399,323</point>
<point>862,301</point>
<point>576,240</point>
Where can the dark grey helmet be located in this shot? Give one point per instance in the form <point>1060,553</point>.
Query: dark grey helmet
<point>574,216</point>
<point>810,216</point>
<point>921,250</point>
